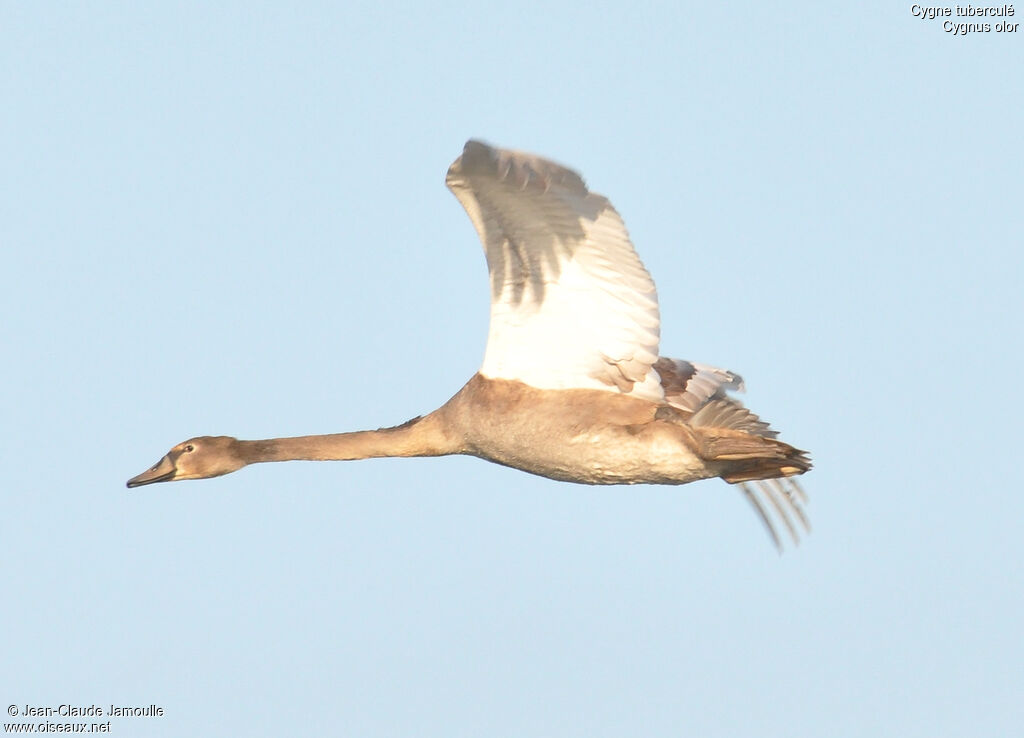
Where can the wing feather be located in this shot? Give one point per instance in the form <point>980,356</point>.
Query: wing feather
<point>571,303</point>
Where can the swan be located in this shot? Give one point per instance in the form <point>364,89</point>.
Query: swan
<point>572,386</point>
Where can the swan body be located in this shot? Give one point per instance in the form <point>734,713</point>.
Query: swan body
<point>571,386</point>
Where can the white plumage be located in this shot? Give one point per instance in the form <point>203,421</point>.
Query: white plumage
<point>572,306</point>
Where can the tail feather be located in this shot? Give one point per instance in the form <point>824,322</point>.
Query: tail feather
<point>747,457</point>
<point>751,457</point>
<point>742,447</point>
<point>728,432</point>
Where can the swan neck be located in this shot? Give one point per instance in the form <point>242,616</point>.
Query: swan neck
<point>419,437</point>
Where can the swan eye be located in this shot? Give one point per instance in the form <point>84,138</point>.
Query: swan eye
<point>189,448</point>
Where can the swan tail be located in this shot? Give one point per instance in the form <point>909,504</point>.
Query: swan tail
<point>748,455</point>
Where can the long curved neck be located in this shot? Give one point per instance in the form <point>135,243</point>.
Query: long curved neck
<point>424,436</point>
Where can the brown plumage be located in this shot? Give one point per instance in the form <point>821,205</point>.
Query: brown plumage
<point>572,387</point>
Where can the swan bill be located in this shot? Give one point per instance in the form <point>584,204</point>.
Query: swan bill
<point>162,471</point>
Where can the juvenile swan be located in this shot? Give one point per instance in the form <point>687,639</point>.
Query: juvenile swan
<point>571,386</point>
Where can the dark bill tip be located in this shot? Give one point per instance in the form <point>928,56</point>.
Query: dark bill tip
<point>163,471</point>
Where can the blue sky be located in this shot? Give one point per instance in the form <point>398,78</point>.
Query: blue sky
<point>233,220</point>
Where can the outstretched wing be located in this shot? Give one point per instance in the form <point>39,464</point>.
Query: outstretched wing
<point>571,304</point>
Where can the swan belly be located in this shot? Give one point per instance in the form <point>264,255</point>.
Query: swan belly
<point>585,436</point>
<point>606,456</point>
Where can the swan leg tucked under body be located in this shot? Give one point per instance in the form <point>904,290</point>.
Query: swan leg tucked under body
<point>572,386</point>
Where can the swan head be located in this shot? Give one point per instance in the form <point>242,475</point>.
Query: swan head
<point>196,458</point>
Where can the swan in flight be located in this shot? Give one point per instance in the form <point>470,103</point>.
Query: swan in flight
<point>572,386</point>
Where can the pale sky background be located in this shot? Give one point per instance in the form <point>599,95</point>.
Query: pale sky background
<point>233,220</point>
